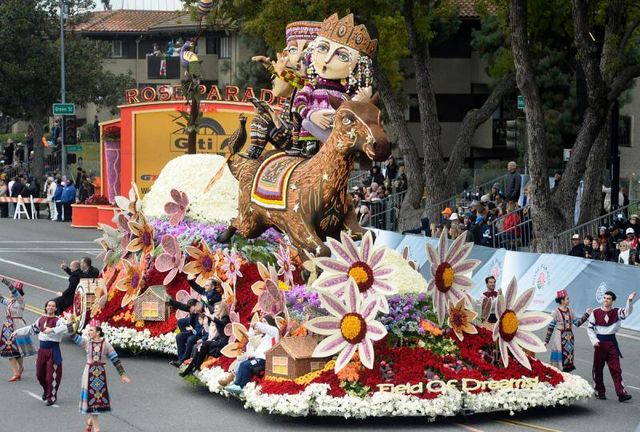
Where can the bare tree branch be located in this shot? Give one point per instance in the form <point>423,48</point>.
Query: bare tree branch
<point>622,80</point>
<point>474,118</point>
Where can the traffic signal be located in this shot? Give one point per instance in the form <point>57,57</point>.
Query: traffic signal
<point>70,131</point>
<point>511,135</point>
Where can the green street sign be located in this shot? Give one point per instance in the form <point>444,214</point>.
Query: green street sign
<point>73,148</point>
<point>520,102</point>
<point>64,109</point>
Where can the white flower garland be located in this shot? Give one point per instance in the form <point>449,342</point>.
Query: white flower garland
<point>314,400</point>
<point>140,341</point>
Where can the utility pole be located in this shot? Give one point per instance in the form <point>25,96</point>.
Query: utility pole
<point>614,155</point>
<point>63,151</point>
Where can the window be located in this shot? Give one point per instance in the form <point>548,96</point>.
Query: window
<point>413,112</point>
<point>225,47</point>
<point>117,49</point>
<point>624,131</point>
<point>150,309</point>
<point>280,365</point>
<point>219,44</point>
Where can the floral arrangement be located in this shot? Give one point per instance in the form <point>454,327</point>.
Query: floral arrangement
<point>377,320</point>
<point>96,199</point>
<point>111,133</point>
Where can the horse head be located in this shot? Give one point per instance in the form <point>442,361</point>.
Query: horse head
<point>358,128</point>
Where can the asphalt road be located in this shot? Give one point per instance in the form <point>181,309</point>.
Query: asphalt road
<point>158,400</point>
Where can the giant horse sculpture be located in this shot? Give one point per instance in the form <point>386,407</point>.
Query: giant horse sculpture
<point>308,198</point>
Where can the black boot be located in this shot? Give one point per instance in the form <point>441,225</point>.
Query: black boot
<point>188,370</point>
<point>226,235</point>
<point>310,149</point>
<point>295,150</point>
<point>254,152</point>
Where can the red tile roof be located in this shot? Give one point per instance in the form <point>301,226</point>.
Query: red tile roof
<point>124,21</point>
<point>468,8</point>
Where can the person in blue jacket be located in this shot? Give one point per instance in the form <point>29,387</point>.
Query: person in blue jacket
<point>68,197</point>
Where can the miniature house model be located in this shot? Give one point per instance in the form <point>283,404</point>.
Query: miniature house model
<point>291,357</point>
<point>150,305</point>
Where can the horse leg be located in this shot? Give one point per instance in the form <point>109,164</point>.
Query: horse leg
<point>225,236</point>
<point>352,225</point>
<point>305,237</point>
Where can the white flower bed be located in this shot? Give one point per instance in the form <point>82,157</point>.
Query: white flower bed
<point>191,174</point>
<point>314,400</point>
<point>140,341</point>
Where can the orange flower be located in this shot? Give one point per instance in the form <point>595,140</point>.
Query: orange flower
<point>142,236</point>
<point>131,283</point>
<point>203,264</point>
<point>429,327</point>
<point>350,372</point>
<point>460,319</point>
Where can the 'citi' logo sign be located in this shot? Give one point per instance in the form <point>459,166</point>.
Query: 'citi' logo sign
<point>211,138</point>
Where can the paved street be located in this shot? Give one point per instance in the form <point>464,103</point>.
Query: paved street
<point>158,400</point>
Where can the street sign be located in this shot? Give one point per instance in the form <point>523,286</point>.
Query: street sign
<point>64,109</point>
<point>520,102</point>
<point>74,148</point>
<point>566,154</point>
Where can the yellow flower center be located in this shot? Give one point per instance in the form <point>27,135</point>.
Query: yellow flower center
<point>444,277</point>
<point>353,328</point>
<point>282,286</point>
<point>508,325</point>
<point>362,275</point>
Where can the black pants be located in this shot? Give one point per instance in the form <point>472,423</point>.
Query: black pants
<point>59,210</point>
<point>4,210</point>
<point>211,347</point>
<point>62,304</point>
<point>67,211</point>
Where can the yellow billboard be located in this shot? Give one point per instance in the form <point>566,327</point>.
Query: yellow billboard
<point>158,139</point>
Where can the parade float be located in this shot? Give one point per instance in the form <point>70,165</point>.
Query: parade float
<point>363,333</point>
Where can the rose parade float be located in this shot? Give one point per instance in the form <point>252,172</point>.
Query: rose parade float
<point>360,332</point>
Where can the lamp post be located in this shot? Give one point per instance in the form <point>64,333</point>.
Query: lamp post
<point>63,151</point>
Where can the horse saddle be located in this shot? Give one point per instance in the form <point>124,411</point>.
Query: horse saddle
<point>271,181</point>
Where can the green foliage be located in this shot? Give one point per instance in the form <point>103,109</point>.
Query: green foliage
<point>355,388</point>
<point>30,61</point>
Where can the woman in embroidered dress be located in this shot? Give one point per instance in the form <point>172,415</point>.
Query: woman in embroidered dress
<point>18,347</point>
<point>94,396</point>
<point>560,333</point>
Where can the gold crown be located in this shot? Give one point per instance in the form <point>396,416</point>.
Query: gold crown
<point>345,32</point>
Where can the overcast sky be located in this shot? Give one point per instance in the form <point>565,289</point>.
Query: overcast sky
<point>142,4</point>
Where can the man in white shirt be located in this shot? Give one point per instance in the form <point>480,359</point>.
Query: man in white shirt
<point>50,189</point>
<point>50,330</point>
<point>604,323</point>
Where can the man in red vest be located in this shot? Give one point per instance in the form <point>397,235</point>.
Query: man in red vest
<point>604,322</point>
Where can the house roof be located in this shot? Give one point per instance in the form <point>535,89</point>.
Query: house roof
<point>156,290</point>
<point>468,8</point>
<point>299,347</point>
<point>125,21</point>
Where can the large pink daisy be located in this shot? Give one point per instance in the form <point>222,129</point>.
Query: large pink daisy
<point>514,329</point>
<point>362,265</point>
<point>450,273</point>
<point>351,327</point>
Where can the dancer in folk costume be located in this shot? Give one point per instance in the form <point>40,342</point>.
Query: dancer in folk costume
<point>489,298</point>
<point>560,332</point>
<point>94,395</point>
<point>604,322</point>
<point>14,348</point>
<point>50,329</point>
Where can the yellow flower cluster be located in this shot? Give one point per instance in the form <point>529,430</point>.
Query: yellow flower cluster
<point>112,292</point>
<point>305,379</point>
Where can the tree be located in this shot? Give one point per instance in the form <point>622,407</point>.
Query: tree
<point>406,29</point>
<point>608,72</point>
<point>30,66</point>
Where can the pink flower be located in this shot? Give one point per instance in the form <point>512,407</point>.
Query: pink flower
<point>286,266</point>
<point>183,296</point>
<point>177,209</point>
<point>172,260</point>
<point>231,266</point>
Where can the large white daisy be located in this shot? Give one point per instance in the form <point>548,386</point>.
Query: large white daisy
<point>362,265</point>
<point>450,271</point>
<point>351,327</point>
<point>515,326</point>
